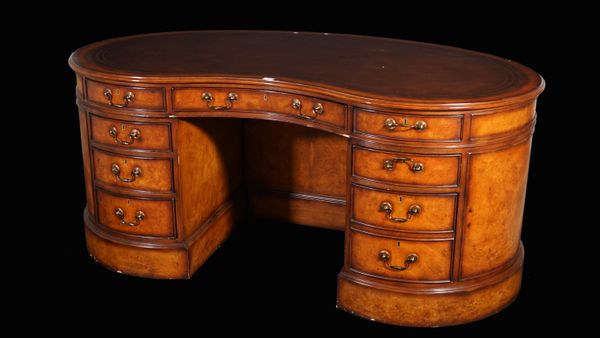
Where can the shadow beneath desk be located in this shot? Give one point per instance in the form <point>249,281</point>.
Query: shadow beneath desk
<point>295,174</point>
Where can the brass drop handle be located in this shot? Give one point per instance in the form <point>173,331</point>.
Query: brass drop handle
<point>135,173</point>
<point>139,217</point>
<point>317,109</point>
<point>391,124</point>
<point>134,134</point>
<point>414,166</point>
<point>386,257</point>
<point>128,98</point>
<point>210,100</point>
<point>386,207</point>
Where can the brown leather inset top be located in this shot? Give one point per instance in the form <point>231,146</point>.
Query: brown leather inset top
<point>392,70</point>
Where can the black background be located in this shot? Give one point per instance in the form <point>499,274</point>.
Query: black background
<point>269,277</point>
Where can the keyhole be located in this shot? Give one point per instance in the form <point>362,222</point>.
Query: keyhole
<point>125,161</point>
<point>129,202</point>
<point>398,243</point>
<point>122,127</point>
<point>265,97</point>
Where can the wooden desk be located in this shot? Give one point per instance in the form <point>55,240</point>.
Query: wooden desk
<point>418,152</point>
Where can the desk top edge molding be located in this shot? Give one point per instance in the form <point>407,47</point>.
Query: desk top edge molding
<point>83,62</point>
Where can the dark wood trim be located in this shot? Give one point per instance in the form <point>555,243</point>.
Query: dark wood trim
<point>132,152</point>
<point>503,146</point>
<point>91,106</point>
<point>408,281</point>
<point>83,88</point>
<point>298,195</point>
<point>169,99</point>
<point>142,156</point>
<point>405,188</point>
<point>466,127</point>
<point>398,231</point>
<point>128,118</point>
<point>460,218</point>
<point>181,233</point>
<point>86,156</point>
<point>399,190</point>
<point>134,193</point>
<point>268,116</point>
<point>418,237</point>
<point>349,204</point>
<point>353,97</point>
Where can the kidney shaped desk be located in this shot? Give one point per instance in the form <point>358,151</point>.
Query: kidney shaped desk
<point>418,152</point>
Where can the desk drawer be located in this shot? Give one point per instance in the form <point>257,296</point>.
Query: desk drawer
<point>131,135</point>
<point>143,217</point>
<point>404,211</point>
<point>409,127</point>
<point>123,97</point>
<point>400,259</point>
<point>150,174</point>
<point>246,100</point>
<point>403,168</point>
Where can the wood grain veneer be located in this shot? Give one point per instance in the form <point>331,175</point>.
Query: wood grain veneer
<point>304,137</point>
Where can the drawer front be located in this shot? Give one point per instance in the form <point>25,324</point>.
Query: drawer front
<point>402,168</point>
<point>123,97</point>
<point>304,107</point>
<point>400,259</point>
<point>133,172</point>
<point>156,137</point>
<point>404,211</point>
<point>409,127</point>
<point>134,216</point>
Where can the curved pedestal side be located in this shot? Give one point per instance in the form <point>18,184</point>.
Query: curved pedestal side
<point>427,305</point>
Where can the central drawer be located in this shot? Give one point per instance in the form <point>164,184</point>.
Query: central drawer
<point>409,212</point>
<point>139,173</point>
<point>248,100</point>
